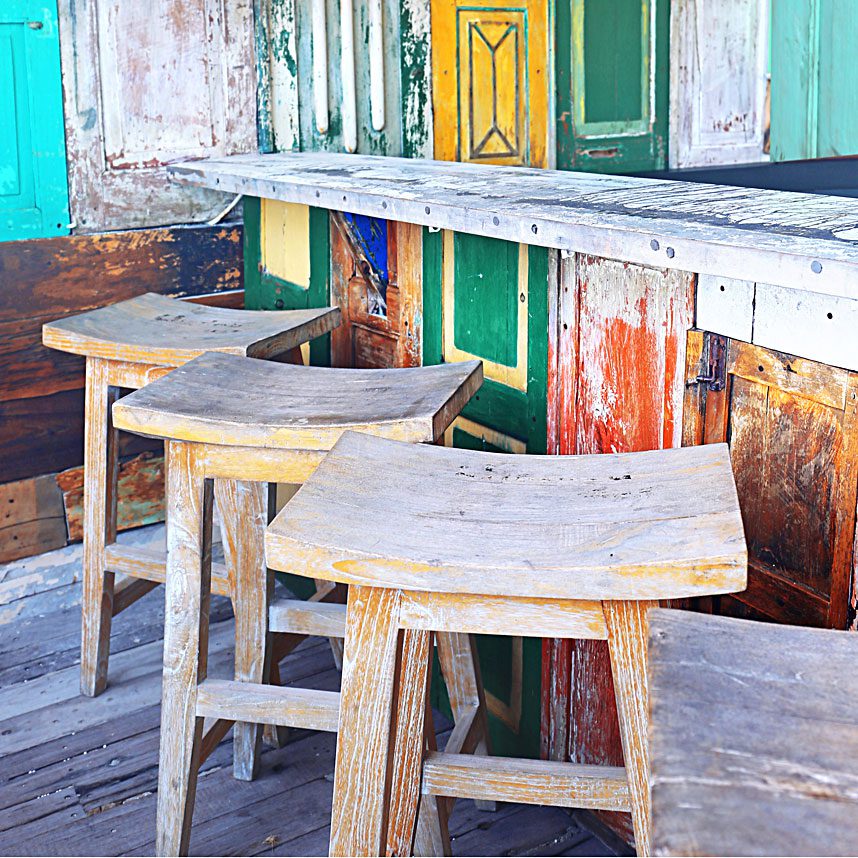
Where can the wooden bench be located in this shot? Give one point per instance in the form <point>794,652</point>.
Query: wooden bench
<point>256,422</point>
<point>127,345</point>
<point>753,738</point>
<point>542,546</point>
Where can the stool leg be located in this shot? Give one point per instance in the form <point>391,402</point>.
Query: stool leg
<point>627,643</point>
<point>99,526</point>
<point>244,514</point>
<point>460,667</point>
<point>359,814</point>
<point>432,836</point>
<point>412,680</point>
<point>186,633</point>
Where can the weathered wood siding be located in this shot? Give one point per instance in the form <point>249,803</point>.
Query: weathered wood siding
<point>719,55</point>
<point>616,384</point>
<point>148,84</point>
<point>41,390</point>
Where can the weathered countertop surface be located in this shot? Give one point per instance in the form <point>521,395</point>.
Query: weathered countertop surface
<point>802,241</point>
<point>753,737</point>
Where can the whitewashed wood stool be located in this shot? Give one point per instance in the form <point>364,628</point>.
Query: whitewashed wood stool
<point>545,546</point>
<point>127,345</point>
<point>258,423</point>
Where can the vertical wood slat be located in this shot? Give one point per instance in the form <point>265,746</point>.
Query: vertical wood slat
<point>376,64</point>
<point>359,815</point>
<point>627,643</point>
<point>244,513</point>
<point>414,661</point>
<point>320,65</point>
<point>101,465</point>
<point>347,76</point>
<point>188,596</point>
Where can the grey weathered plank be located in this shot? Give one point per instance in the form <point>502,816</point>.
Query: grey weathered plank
<point>754,737</point>
<point>767,236</point>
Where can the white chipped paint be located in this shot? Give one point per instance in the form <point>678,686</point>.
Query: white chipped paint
<point>376,64</point>
<point>718,59</point>
<point>818,327</point>
<point>725,306</point>
<point>347,75</point>
<point>320,65</point>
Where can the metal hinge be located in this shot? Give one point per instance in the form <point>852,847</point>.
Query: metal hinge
<point>716,363</point>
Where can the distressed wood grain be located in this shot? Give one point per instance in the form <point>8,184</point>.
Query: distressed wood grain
<point>752,737</point>
<point>779,237</point>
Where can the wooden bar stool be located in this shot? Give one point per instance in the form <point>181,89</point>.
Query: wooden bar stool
<point>546,546</point>
<point>127,345</point>
<point>255,422</point>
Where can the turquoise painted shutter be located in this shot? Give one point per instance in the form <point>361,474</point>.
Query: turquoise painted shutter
<point>33,186</point>
<point>814,79</point>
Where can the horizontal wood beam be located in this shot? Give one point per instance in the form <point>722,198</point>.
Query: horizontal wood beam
<point>268,704</point>
<point>322,619</point>
<point>526,781</point>
<point>498,615</point>
<point>152,566</point>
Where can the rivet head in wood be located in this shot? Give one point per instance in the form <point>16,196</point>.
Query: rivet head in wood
<point>534,229</point>
<point>654,244</point>
<point>670,253</point>
<point>816,266</point>
<point>427,210</point>
<point>495,220</point>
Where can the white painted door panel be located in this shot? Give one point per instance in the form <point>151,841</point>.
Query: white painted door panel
<point>150,84</point>
<point>718,52</point>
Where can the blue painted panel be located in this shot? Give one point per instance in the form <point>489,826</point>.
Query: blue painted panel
<point>371,233</point>
<point>33,183</point>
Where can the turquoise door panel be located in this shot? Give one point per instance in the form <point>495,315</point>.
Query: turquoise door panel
<point>33,185</point>
<point>814,79</point>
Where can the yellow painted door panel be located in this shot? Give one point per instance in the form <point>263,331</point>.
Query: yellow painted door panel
<point>490,82</point>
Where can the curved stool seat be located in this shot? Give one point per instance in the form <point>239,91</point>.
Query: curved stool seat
<point>127,345</point>
<point>656,525</point>
<point>155,329</point>
<point>561,547</point>
<point>221,400</point>
<point>254,423</point>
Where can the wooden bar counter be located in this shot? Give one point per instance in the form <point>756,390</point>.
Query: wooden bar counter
<point>611,314</point>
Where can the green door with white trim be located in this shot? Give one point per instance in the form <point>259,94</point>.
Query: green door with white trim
<point>33,184</point>
<point>612,84</point>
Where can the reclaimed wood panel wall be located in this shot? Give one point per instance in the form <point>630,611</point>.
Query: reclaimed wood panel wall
<point>41,390</point>
<point>616,384</point>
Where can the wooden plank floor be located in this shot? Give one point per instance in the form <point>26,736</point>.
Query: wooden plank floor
<point>78,775</point>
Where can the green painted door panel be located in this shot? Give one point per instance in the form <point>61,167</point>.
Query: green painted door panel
<point>612,84</point>
<point>484,289</point>
<point>33,184</point>
<point>486,297</point>
<point>814,79</point>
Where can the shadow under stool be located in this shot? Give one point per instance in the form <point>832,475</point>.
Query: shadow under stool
<point>542,546</point>
<point>127,345</point>
<point>258,423</point>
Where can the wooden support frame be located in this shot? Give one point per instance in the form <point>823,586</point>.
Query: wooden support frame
<point>375,798</point>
